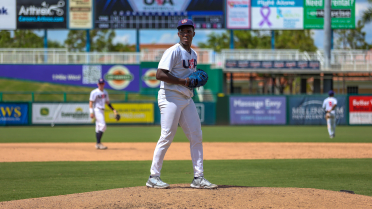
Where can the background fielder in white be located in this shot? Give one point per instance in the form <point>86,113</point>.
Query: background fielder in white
<point>329,104</point>
<point>97,100</point>
<point>177,107</point>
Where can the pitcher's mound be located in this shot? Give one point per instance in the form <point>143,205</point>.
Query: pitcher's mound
<point>182,196</point>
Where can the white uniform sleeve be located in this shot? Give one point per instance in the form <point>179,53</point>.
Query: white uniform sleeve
<point>324,103</point>
<point>92,97</point>
<point>335,100</point>
<point>167,60</point>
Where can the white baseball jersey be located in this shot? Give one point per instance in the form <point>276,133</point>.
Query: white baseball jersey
<point>99,98</point>
<point>180,63</point>
<point>328,104</point>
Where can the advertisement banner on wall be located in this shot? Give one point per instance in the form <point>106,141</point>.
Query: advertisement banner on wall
<point>273,65</point>
<point>131,113</point>
<point>80,13</point>
<point>238,14</point>
<point>308,110</point>
<point>60,113</point>
<point>342,14</point>
<point>279,15</point>
<point>13,114</point>
<point>41,14</point>
<point>360,109</point>
<point>148,78</point>
<point>8,15</point>
<point>257,110</point>
<point>118,77</point>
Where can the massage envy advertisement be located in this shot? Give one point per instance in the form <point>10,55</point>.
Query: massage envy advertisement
<point>257,110</point>
<point>277,14</point>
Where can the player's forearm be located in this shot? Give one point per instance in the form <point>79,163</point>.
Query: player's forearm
<point>165,76</point>
<point>90,104</point>
<point>333,107</point>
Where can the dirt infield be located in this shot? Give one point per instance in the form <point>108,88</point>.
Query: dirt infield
<point>182,196</point>
<point>30,152</point>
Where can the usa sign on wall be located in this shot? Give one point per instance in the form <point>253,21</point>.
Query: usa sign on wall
<point>360,109</point>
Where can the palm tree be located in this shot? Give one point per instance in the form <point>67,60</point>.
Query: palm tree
<point>367,15</point>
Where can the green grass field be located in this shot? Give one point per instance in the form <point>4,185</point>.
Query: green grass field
<point>38,179</point>
<point>210,134</point>
<point>23,180</point>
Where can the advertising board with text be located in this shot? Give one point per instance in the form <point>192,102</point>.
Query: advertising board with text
<point>342,14</point>
<point>118,77</point>
<point>8,15</point>
<point>41,14</point>
<point>80,13</point>
<point>131,113</point>
<point>308,110</point>
<point>257,110</point>
<point>277,14</point>
<point>13,114</point>
<point>360,109</point>
<point>272,65</point>
<point>238,14</point>
<point>60,113</point>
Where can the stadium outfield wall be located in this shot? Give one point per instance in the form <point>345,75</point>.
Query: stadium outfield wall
<point>228,110</point>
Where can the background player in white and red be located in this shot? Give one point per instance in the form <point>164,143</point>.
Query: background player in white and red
<point>97,100</point>
<point>177,107</point>
<point>329,104</point>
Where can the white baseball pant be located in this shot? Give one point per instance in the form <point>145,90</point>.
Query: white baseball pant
<point>331,124</point>
<point>175,108</point>
<point>100,120</point>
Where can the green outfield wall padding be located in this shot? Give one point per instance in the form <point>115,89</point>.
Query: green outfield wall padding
<point>206,111</point>
<point>222,110</point>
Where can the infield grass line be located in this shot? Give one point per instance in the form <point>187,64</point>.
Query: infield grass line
<point>361,134</point>
<point>41,179</point>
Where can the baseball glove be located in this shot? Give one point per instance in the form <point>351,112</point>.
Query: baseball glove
<point>328,115</point>
<point>117,116</point>
<point>198,78</point>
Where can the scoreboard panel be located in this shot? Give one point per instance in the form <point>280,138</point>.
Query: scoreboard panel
<point>158,14</point>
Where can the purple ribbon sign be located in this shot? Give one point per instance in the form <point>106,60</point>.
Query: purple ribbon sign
<point>265,17</point>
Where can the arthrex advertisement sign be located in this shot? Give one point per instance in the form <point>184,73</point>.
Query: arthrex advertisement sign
<point>41,14</point>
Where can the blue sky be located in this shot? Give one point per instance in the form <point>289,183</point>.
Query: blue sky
<point>170,36</point>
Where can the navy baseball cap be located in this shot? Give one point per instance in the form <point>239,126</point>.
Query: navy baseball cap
<point>331,93</point>
<point>101,80</point>
<point>185,22</point>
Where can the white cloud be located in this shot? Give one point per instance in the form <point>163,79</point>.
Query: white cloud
<point>167,38</point>
<point>359,8</point>
<point>124,39</point>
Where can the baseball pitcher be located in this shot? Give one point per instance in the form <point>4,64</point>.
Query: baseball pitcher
<point>179,76</point>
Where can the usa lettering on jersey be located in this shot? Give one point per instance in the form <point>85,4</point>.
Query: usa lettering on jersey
<point>102,96</point>
<point>190,63</point>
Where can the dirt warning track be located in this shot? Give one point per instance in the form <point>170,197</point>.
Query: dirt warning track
<point>39,152</point>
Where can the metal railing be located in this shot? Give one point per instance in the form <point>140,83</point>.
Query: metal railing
<point>62,56</point>
<point>341,60</point>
